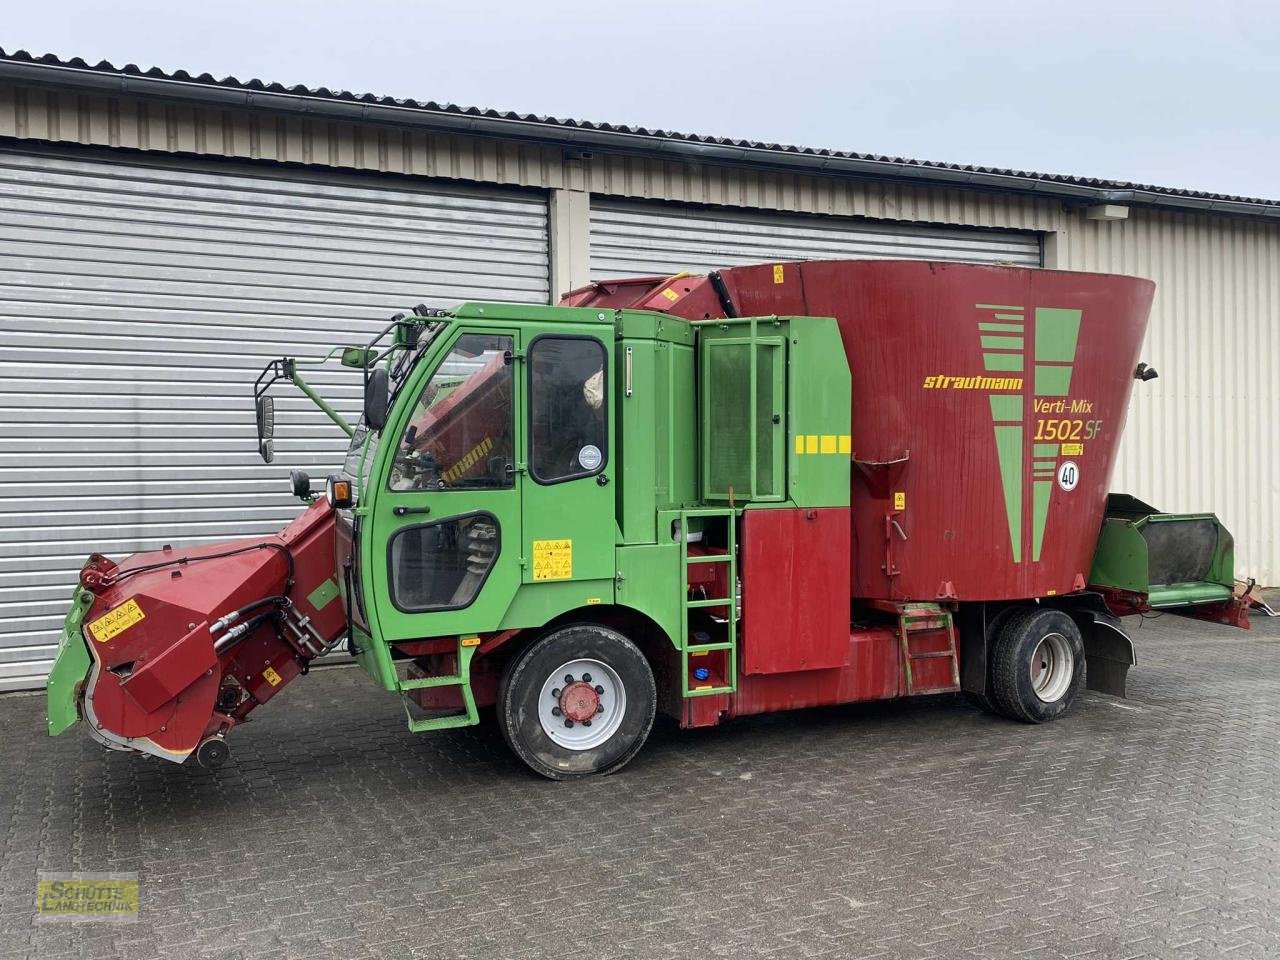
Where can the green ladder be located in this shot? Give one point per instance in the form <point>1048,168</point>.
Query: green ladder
<point>687,649</point>
<point>924,618</point>
<point>469,717</point>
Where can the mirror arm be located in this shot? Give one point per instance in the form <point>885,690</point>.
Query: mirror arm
<point>319,401</point>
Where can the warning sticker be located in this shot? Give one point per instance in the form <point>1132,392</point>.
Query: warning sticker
<point>271,676</point>
<point>115,622</point>
<point>778,275</point>
<point>552,559</point>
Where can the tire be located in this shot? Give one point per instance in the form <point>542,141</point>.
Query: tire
<point>1037,665</point>
<point>543,717</point>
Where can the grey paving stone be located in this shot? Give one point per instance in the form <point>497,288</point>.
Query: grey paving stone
<point>1139,828</point>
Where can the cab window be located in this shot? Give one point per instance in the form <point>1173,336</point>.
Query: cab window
<point>442,565</point>
<point>567,392</point>
<point>459,436</point>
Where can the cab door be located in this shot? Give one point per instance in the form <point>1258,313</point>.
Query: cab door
<point>568,496</point>
<point>444,557</point>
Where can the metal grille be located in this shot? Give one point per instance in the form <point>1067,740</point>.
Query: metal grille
<point>138,299</point>
<point>629,239</point>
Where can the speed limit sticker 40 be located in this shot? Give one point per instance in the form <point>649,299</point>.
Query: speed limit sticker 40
<point>1068,475</point>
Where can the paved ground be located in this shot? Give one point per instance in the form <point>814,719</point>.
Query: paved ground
<point>1140,828</point>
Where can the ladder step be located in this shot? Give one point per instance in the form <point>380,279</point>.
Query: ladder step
<point>423,683</point>
<point>708,647</point>
<point>709,558</point>
<point>931,654</point>
<point>691,604</point>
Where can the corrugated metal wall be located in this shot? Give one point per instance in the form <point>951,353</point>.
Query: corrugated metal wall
<point>138,300</point>
<point>1204,435</point>
<point>630,238</point>
<point>1216,310</point>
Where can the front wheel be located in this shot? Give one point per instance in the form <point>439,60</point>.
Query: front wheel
<point>1037,665</point>
<point>581,700</point>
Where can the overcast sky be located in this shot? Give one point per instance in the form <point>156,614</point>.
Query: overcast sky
<point>1178,94</point>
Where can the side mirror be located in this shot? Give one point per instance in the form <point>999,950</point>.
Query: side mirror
<point>265,409</point>
<point>377,398</point>
<point>358,357</point>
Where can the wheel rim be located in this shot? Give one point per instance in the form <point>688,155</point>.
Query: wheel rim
<point>1052,666</point>
<point>581,704</point>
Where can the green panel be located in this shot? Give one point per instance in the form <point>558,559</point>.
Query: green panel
<point>1006,408</point>
<point>1056,333</point>
<point>1120,558</point>
<point>1041,489</point>
<point>657,462</point>
<point>1053,381</point>
<point>649,581</point>
<point>536,603</point>
<point>1001,343</point>
<point>742,393</point>
<point>819,391</point>
<point>70,667</point>
<point>1002,361</point>
<point>1002,328</point>
<point>1044,450</point>
<point>1187,594</point>
<point>1009,450</point>
<point>321,596</point>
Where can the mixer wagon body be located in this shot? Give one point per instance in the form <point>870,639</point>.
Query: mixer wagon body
<point>766,488</point>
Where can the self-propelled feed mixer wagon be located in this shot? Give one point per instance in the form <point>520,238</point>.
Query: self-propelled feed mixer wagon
<point>770,487</point>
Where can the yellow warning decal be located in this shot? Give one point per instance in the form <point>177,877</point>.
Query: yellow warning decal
<point>592,601</point>
<point>471,641</point>
<point>900,500</point>
<point>671,295</point>
<point>1072,449</point>
<point>115,622</point>
<point>552,559</point>
<point>271,676</point>
<point>777,273</point>
<point>827,443</point>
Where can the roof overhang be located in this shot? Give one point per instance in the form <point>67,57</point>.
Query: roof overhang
<point>573,135</point>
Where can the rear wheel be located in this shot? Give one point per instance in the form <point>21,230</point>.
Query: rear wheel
<point>581,700</point>
<point>1037,665</point>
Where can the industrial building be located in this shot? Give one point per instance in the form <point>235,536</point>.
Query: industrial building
<point>163,235</point>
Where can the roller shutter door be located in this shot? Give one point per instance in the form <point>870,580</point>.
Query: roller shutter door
<point>631,238</point>
<point>138,300</point>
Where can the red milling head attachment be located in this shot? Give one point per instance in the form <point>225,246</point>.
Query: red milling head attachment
<point>185,643</point>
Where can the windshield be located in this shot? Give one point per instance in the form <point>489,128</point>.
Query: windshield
<point>354,468</point>
<point>460,432</point>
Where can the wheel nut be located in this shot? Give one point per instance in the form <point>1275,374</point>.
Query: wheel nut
<point>599,708</point>
<point>556,693</point>
<point>568,722</point>
<point>555,711</point>
<point>586,678</point>
<point>568,678</point>
<point>586,723</point>
<point>599,689</point>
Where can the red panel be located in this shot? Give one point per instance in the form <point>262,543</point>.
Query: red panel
<point>916,335</point>
<point>874,673</point>
<point>795,590</point>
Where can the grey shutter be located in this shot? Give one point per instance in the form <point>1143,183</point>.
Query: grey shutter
<point>630,238</point>
<point>138,299</point>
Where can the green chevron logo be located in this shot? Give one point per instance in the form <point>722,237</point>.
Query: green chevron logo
<point>1003,332</point>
